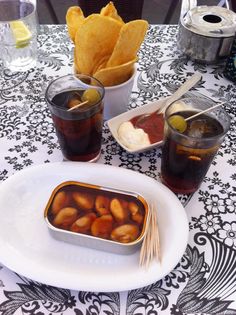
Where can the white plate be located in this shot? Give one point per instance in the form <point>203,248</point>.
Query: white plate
<point>27,248</point>
<point>115,122</point>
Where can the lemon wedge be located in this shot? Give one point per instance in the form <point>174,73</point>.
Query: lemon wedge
<point>21,33</point>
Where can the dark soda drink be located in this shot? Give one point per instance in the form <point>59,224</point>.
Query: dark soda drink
<point>79,131</point>
<point>186,156</point>
<point>76,105</point>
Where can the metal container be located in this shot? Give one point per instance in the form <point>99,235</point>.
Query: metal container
<point>87,239</point>
<point>206,33</point>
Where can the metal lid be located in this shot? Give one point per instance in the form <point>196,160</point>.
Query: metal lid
<point>212,21</point>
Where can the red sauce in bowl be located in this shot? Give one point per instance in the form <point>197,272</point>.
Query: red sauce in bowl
<point>153,126</point>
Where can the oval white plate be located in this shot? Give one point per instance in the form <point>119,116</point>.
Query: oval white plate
<point>114,123</point>
<point>27,248</point>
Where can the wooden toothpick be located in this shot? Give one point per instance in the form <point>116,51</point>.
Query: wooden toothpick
<point>76,106</point>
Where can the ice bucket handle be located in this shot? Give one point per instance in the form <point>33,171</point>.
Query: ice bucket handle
<point>186,6</point>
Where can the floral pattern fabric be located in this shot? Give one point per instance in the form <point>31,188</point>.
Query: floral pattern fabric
<point>204,281</point>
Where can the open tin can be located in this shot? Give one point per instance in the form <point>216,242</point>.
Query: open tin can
<point>97,217</point>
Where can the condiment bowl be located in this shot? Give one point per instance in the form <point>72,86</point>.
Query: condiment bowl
<point>139,138</point>
<point>114,124</point>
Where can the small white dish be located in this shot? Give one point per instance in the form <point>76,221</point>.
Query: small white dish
<point>115,123</point>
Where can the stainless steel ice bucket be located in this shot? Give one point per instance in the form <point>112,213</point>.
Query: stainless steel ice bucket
<point>206,33</point>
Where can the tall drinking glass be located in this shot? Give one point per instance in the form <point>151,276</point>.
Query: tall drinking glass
<point>18,34</point>
<point>78,127</point>
<point>190,146</point>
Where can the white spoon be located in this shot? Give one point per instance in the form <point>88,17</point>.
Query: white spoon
<point>185,87</point>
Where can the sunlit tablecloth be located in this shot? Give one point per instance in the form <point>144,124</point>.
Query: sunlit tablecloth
<point>204,281</point>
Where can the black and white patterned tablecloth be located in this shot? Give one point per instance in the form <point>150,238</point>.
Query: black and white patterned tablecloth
<point>204,281</point>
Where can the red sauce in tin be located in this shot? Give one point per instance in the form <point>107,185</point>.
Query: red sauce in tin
<point>153,126</point>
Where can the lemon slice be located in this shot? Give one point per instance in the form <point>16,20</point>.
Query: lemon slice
<point>21,33</point>
<point>178,122</point>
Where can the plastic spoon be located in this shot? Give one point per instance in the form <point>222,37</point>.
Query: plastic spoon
<point>187,85</point>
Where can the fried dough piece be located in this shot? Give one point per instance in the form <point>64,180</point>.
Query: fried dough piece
<point>94,41</point>
<point>131,32</point>
<point>74,19</point>
<point>115,75</point>
<point>110,10</point>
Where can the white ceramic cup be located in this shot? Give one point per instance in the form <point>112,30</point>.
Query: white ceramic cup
<point>117,98</point>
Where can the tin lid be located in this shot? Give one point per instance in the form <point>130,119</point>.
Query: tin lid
<point>211,21</point>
